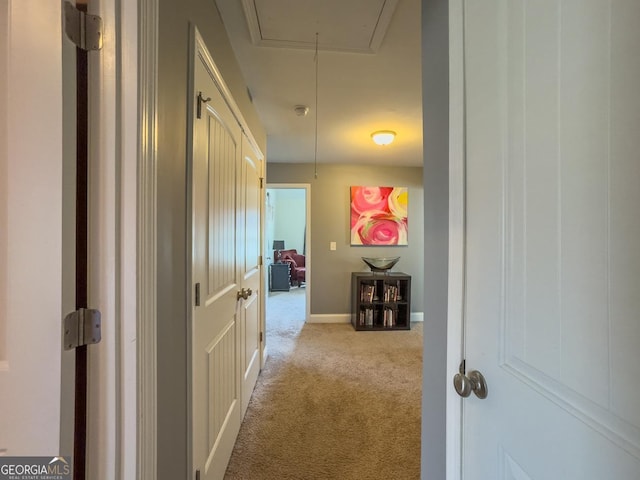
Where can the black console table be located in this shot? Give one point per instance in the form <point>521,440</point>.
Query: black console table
<point>279,280</point>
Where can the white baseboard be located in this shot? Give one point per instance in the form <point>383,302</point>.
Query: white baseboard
<point>346,317</point>
<point>330,318</point>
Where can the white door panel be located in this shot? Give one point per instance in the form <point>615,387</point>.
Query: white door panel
<point>552,264</point>
<point>31,212</point>
<point>251,347</point>
<point>251,215</point>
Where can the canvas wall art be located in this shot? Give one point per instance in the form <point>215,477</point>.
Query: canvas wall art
<point>379,215</point>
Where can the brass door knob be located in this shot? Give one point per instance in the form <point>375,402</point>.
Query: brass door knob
<point>244,293</point>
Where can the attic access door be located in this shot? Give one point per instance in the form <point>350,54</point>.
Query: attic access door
<point>552,232</point>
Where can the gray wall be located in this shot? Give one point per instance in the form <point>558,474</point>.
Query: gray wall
<point>435,95</point>
<point>176,16</point>
<point>330,272</point>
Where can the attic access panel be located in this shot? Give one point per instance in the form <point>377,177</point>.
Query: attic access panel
<point>342,25</point>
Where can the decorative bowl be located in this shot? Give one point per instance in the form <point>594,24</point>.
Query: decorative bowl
<point>380,264</point>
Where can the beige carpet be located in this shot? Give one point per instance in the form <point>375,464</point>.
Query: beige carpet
<point>332,403</point>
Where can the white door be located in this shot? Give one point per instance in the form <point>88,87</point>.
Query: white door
<point>37,237</point>
<point>552,305</point>
<point>250,216</point>
<point>33,255</point>
<point>216,413</point>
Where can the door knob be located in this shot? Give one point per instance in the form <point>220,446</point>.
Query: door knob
<point>244,293</point>
<point>474,382</point>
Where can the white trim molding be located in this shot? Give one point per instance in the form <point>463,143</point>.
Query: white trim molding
<point>147,241</point>
<point>330,318</point>
<point>455,324</point>
<point>308,260</point>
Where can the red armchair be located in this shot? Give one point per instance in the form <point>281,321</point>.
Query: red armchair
<point>296,264</point>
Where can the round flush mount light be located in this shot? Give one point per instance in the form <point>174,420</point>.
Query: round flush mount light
<point>383,137</point>
<point>301,110</point>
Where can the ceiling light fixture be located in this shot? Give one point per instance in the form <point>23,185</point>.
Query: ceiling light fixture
<point>301,110</point>
<point>383,137</point>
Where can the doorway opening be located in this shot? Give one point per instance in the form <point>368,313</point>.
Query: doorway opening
<point>287,260</point>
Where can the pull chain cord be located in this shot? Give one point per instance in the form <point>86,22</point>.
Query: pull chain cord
<point>315,151</point>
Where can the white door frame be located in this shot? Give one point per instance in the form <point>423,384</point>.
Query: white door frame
<point>122,384</point>
<point>113,282</point>
<point>307,198</point>
<point>124,408</point>
<point>146,288</point>
<point>146,358</point>
<point>456,297</point>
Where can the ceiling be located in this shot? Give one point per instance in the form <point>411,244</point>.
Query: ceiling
<point>368,76</point>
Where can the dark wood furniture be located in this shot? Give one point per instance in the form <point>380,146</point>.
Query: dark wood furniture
<point>380,301</point>
<point>279,277</point>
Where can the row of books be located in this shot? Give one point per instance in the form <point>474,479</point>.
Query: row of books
<point>389,318</point>
<point>368,316</point>
<point>391,293</point>
<point>368,293</point>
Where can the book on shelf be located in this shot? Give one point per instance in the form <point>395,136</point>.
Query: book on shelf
<point>366,317</point>
<point>367,293</point>
<point>392,293</point>
<point>389,319</point>
<point>389,293</point>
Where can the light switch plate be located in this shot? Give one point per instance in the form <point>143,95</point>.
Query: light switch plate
<point>332,245</point>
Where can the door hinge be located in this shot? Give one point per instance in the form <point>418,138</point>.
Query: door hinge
<point>260,260</point>
<point>198,294</point>
<point>197,474</point>
<point>201,100</point>
<point>261,182</point>
<point>260,337</point>
<point>84,30</point>
<point>82,327</point>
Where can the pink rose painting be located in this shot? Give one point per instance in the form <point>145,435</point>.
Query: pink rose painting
<point>379,215</point>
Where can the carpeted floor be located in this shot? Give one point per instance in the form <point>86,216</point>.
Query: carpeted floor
<point>332,403</point>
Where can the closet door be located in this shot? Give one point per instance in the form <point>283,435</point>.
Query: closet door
<point>250,217</point>
<point>217,296</point>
